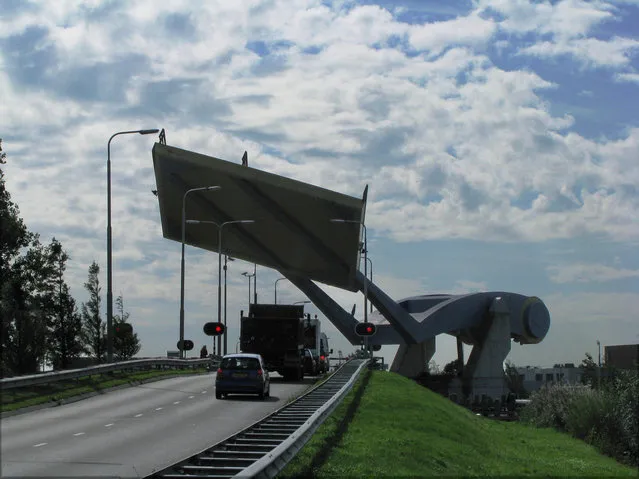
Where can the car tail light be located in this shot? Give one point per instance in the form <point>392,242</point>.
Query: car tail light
<point>219,373</point>
<point>259,372</point>
<point>322,358</point>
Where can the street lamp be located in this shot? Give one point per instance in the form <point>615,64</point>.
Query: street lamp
<point>226,258</point>
<point>599,365</point>
<point>220,227</point>
<point>365,269</point>
<point>249,276</point>
<point>204,188</point>
<point>277,281</point>
<point>110,244</point>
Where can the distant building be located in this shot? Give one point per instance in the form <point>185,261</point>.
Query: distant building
<point>625,356</point>
<point>534,378</point>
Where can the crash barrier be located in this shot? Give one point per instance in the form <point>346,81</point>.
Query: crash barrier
<point>156,363</point>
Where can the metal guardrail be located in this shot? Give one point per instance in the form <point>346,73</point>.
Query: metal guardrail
<point>263,449</point>
<point>46,378</point>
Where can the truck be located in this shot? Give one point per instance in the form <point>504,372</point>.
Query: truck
<point>317,342</point>
<point>275,331</point>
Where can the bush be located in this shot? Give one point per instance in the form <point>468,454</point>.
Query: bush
<point>607,418</point>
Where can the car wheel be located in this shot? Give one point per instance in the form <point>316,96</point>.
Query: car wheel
<point>261,396</point>
<point>268,391</point>
<point>218,395</point>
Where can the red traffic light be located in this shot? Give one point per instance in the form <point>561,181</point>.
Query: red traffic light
<point>214,329</point>
<point>365,329</point>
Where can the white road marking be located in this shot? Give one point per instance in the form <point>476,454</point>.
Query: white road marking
<point>191,397</point>
<point>41,444</point>
<point>78,434</point>
<point>204,392</point>
<point>108,425</point>
<point>138,415</point>
<point>176,402</point>
<point>158,408</point>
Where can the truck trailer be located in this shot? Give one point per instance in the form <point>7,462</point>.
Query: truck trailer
<point>275,331</point>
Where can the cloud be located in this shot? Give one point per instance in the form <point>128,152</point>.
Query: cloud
<point>615,52</point>
<point>453,141</point>
<point>587,273</point>
<point>628,77</point>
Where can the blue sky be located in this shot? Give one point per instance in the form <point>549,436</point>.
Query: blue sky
<point>499,140</point>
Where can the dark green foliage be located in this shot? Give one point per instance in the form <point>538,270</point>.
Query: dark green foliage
<point>65,329</point>
<point>127,345</point>
<point>453,368</point>
<point>607,418</point>
<point>515,381</point>
<point>93,328</point>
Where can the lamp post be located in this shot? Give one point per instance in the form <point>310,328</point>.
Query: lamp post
<point>249,276</point>
<point>110,244</point>
<point>204,188</point>
<point>277,281</point>
<point>254,283</point>
<point>365,270</point>
<point>220,227</point>
<point>226,258</point>
<point>599,365</point>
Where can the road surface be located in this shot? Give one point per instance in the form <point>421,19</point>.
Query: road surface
<point>131,432</point>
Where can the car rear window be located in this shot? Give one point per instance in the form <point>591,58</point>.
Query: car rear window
<point>240,363</point>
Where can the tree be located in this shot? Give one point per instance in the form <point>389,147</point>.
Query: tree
<point>128,345</point>
<point>65,329</point>
<point>515,381</point>
<point>589,368</point>
<point>453,368</point>
<point>93,328</point>
<point>13,237</point>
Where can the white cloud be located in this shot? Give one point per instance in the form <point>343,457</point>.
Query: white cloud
<point>589,273</point>
<point>628,77</point>
<point>591,51</point>
<point>451,144</point>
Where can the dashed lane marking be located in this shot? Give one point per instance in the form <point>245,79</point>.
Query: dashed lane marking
<point>41,444</point>
<point>191,397</point>
<point>108,425</point>
<point>138,415</point>
<point>176,402</point>
<point>79,434</point>
<point>158,408</point>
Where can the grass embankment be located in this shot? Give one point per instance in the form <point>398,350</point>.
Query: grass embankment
<point>19,398</point>
<point>390,426</point>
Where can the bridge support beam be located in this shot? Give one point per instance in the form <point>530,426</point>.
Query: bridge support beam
<point>412,360</point>
<point>483,374</point>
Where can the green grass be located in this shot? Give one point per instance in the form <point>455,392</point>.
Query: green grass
<point>19,398</point>
<point>402,429</point>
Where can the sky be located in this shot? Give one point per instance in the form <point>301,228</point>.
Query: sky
<point>499,140</point>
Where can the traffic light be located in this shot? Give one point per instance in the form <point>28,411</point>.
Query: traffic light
<point>188,345</point>
<point>214,329</point>
<point>365,329</point>
<point>122,329</point>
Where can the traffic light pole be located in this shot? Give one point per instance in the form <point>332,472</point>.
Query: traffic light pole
<point>366,343</point>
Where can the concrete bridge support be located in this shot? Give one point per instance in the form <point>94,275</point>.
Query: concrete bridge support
<point>412,360</point>
<point>483,374</point>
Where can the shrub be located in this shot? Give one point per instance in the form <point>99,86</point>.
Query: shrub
<point>607,418</point>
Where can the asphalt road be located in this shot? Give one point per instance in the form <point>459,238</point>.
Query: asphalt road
<point>131,432</point>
